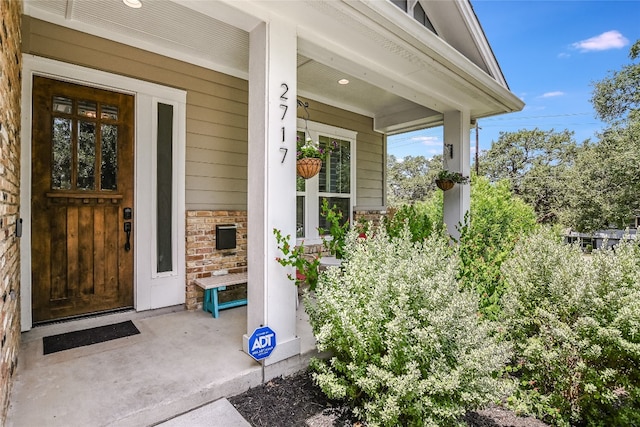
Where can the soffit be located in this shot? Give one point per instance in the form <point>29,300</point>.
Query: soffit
<point>165,24</point>
<point>391,77</point>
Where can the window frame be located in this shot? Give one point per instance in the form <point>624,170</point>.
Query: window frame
<point>312,194</point>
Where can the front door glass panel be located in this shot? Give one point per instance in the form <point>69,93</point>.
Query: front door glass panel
<point>86,155</point>
<point>61,148</point>
<point>109,157</point>
<point>84,145</point>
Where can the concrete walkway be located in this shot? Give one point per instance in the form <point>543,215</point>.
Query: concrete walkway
<point>220,413</point>
<point>180,364</point>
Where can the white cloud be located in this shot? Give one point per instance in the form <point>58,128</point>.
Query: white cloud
<point>551,94</point>
<point>563,55</point>
<point>429,146</point>
<point>605,41</point>
<point>428,141</point>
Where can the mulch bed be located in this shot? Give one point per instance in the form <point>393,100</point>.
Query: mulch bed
<point>297,401</point>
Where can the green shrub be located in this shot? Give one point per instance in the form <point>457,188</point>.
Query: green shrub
<point>418,222</point>
<point>497,221</point>
<point>407,346</point>
<point>338,228</point>
<point>574,322</point>
<point>306,266</point>
<point>434,209</point>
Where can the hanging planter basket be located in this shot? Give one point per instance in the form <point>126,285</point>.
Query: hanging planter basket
<point>445,184</point>
<point>308,167</point>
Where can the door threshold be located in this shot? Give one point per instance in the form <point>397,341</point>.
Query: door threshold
<point>93,320</point>
<point>83,316</point>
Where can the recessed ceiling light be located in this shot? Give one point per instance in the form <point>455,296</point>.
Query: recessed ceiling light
<point>136,4</point>
<point>343,81</point>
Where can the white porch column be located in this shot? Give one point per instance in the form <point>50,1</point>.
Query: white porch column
<point>457,125</point>
<point>272,183</point>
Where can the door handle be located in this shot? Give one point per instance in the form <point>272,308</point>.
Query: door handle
<point>127,229</point>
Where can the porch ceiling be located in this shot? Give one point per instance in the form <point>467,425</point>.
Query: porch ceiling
<point>400,73</point>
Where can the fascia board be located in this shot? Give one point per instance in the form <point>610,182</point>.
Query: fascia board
<point>389,18</point>
<point>477,33</point>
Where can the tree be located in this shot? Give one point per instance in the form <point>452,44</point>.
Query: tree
<point>605,181</point>
<point>536,162</point>
<point>411,179</point>
<point>617,97</point>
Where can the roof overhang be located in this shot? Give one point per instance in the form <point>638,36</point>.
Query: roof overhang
<point>401,74</point>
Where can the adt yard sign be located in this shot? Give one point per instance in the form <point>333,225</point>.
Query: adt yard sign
<point>262,342</point>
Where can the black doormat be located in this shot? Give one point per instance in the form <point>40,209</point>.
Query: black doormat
<point>55,343</point>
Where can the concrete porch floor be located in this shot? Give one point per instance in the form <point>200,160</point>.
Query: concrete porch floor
<point>180,361</point>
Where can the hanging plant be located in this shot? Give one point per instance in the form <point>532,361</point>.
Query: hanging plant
<point>310,156</point>
<point>445,180</point>
<point>309,153</point>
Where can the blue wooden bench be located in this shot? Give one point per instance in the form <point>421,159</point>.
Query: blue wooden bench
<point>213,284</point>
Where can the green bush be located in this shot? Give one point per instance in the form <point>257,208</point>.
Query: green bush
<point>417,220</point>
<point>498,220</point>
<point>407,346</point>
<point>338,228</point>
<point>306,266</point>
<point>574,322</point>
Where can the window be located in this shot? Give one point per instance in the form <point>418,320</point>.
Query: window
<point>421,16</point>
<point>164,188</point>
<point>402,4</point>
<point>335,182</point>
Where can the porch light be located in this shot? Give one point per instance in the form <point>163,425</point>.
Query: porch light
<point>343,81</point>
<point>135,4</point>
<point>449,149</point>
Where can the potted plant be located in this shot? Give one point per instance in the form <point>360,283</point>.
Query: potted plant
<point>445,180</point>
<point>309,155</point>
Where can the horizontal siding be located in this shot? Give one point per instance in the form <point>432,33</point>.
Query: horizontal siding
<point>200,169</point>
<point>224,118</point>
<point>223,144</point>
<point>216,130</point>
<point>233,200</point>
<point>369,184</point>
<point>368,202</point>
<point>369,149</point>
<point>217,115</point>
<point>197,183</point>
<point>216,157</point>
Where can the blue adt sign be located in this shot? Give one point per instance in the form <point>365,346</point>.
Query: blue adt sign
<point>262,342</point>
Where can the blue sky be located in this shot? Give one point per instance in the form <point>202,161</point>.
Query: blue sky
<point>550,53</point>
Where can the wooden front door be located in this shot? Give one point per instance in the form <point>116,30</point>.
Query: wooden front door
<point>82,196</point>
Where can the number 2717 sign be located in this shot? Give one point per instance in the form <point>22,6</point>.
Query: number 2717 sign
<point>283,104</point>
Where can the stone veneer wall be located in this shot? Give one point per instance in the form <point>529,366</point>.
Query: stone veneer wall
<point>369,216</point>
<point>10,88</point>
<point>202,256</point>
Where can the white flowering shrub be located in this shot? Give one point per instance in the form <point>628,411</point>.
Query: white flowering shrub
<point>407,345</point>
<point>574,322</point>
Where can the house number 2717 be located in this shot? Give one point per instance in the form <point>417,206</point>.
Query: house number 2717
<point>283,104</point>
